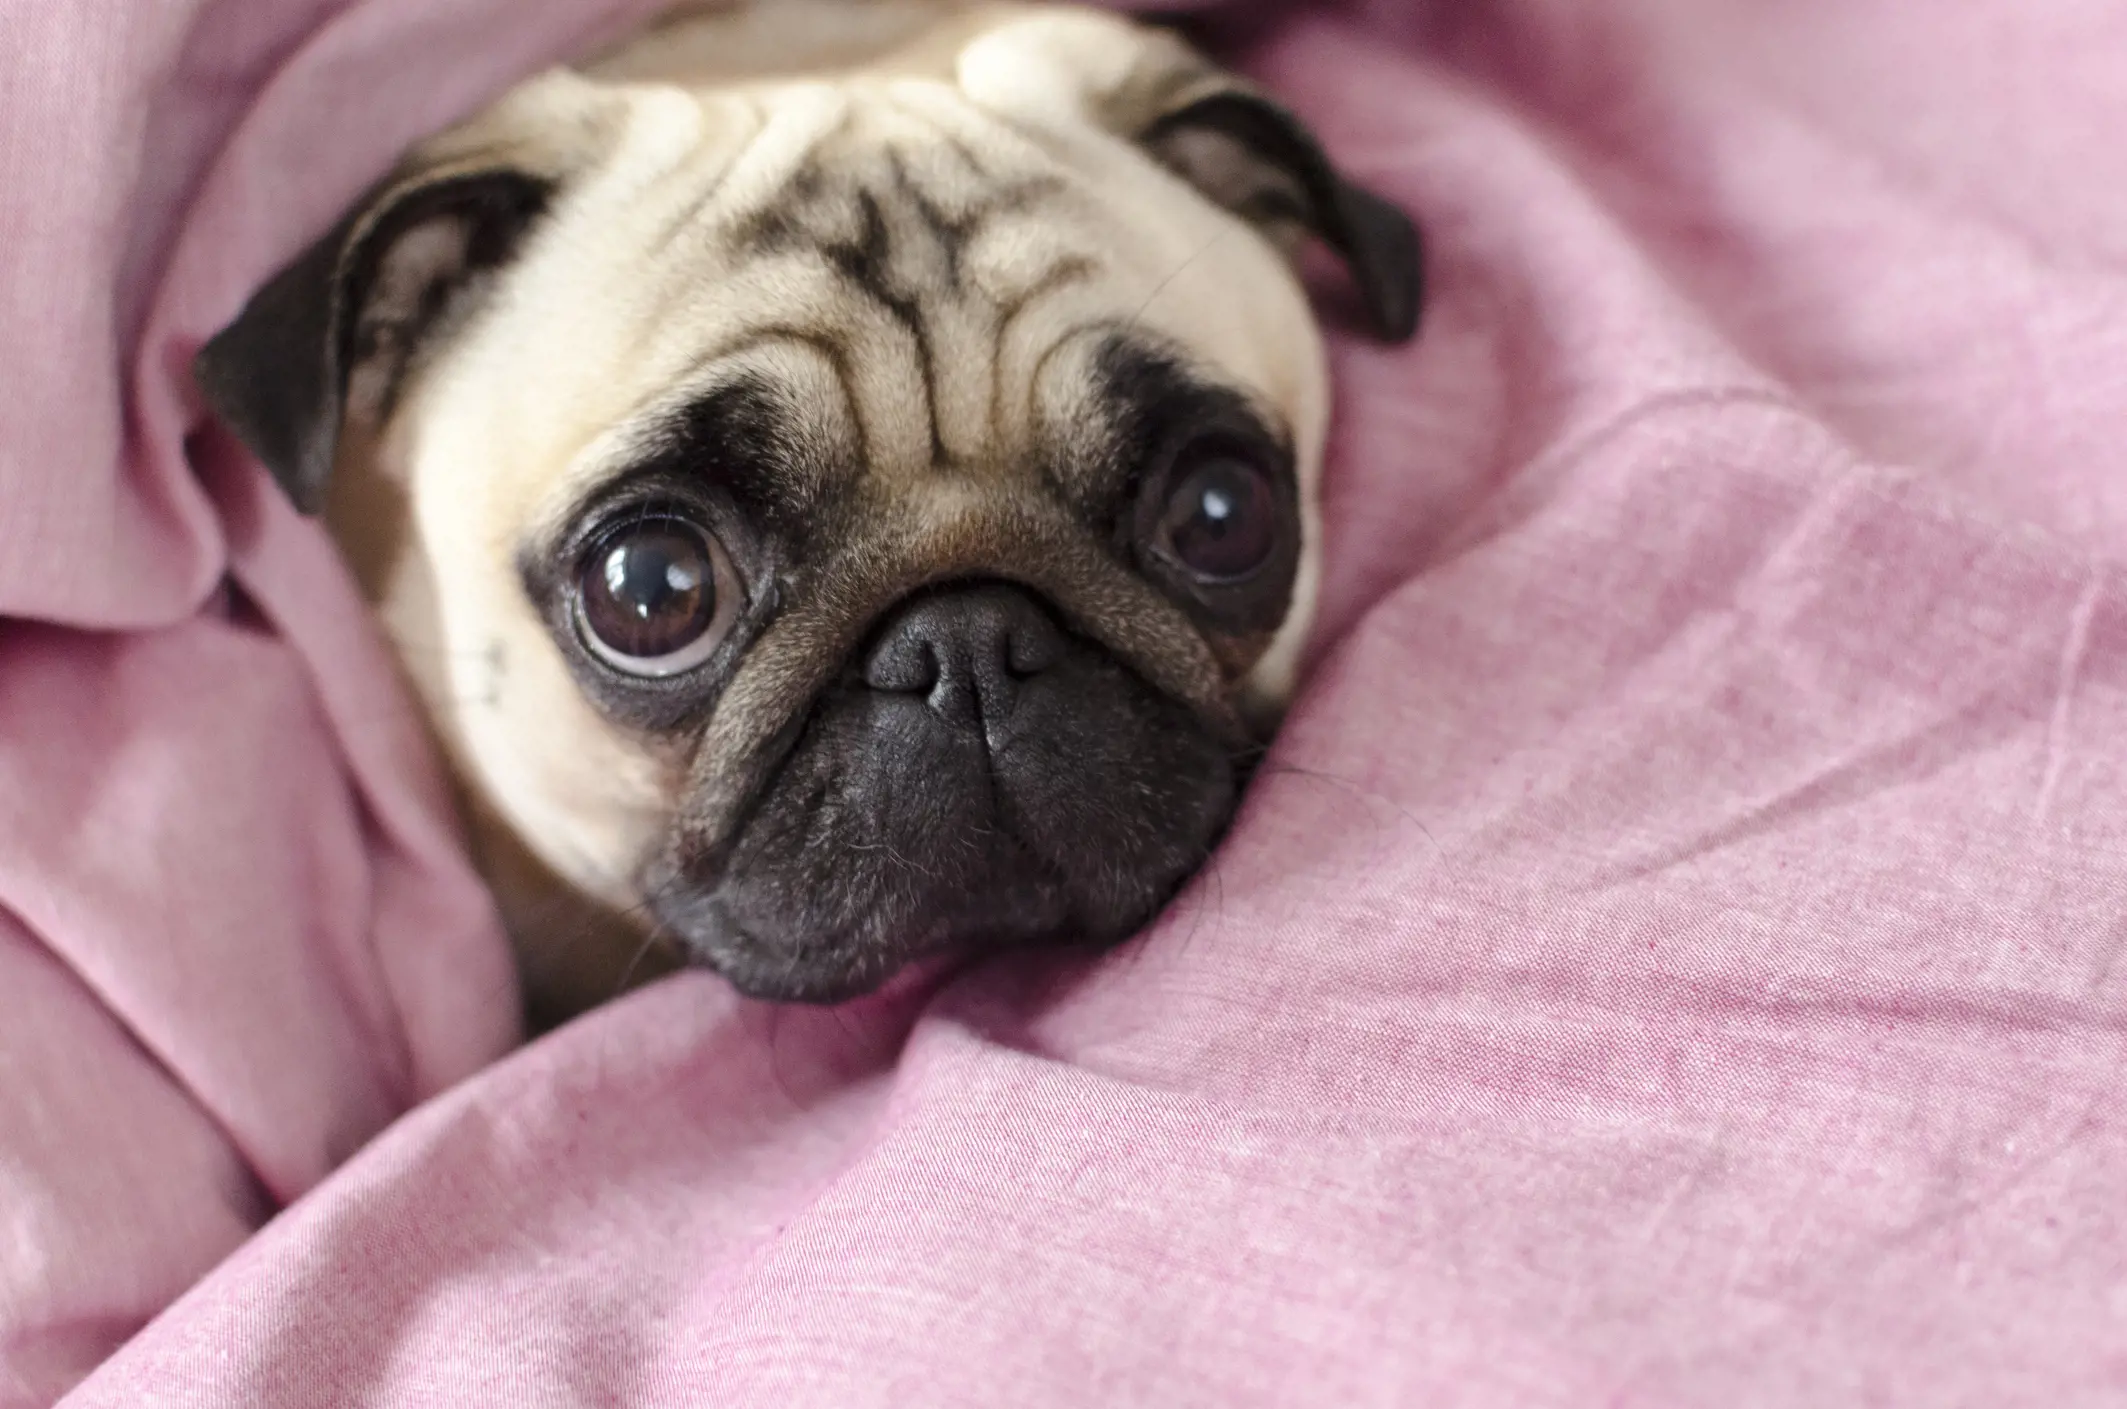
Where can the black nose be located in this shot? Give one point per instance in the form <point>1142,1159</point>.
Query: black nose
<point>968,651</point>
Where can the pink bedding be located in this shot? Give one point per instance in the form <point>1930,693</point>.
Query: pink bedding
<point>1675,957</point>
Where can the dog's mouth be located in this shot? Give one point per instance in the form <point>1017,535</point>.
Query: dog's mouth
<point>776,963</point>
<point>985,783</point>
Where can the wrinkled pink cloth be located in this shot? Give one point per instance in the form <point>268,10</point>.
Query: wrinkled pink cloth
<point>1674,957</point>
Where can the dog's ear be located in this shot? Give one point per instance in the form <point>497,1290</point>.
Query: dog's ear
<point>1257,159</point>
<point>326,344</point>
<point>1236,145</point>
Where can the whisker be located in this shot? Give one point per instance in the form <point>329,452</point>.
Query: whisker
<point>656,932</point>
<point>1179,270</point>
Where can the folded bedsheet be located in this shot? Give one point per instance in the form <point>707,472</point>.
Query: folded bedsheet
<point>1674,957</point>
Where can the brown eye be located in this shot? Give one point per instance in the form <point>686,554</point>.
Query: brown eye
<point>1221,521</point>
<point>656,597</point>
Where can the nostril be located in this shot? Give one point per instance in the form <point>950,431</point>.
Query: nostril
<point>967,651</point>
<point>1034,647</point>
<point>904,664</point>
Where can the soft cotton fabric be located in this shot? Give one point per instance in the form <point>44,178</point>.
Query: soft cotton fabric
<point>1673,958</point>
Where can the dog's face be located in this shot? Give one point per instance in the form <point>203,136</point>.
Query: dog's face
<point>841,520</point>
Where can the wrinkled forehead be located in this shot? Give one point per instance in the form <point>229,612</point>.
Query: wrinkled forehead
<point>773,426</point>
<point>924,284</point>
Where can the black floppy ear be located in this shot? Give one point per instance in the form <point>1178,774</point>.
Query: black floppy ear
<point>327,343</point>
<point>1253,156</point>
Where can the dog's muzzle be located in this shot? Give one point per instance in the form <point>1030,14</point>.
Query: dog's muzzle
<point>981,779</point>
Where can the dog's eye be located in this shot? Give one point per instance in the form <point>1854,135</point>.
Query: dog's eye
<point>656,597</point>
<point>1221,519</point>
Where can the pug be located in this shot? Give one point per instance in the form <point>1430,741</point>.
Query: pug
<point>841,477</point>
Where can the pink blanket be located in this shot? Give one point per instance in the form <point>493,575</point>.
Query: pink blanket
<point>1674,959</point>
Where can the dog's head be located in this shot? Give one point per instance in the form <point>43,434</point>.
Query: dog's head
<point>843,519</point>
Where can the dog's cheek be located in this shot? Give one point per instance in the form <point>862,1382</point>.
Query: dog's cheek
<point>587,800</point>
<point>1119,790</point>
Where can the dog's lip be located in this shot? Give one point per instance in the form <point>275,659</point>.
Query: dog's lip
<point>836,969</point>
<point>828,974</point>
<point>843,971</point>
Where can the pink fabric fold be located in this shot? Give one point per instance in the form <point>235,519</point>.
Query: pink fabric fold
<point>1673,957</point>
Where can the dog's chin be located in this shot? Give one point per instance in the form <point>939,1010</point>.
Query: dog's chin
<point>887,838</point>
<point>782,967</point>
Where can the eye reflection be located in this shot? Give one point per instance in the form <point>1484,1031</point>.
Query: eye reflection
<point>653,597</point>
<point>1222,520</point>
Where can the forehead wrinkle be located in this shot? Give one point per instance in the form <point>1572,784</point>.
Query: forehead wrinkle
<point>728,127</point>
<point>806,170</point>
<point>1085,415</point>
<point>1083,411</point>
<point>983,138</point>
<point>805,117</point>
<point>1012,399</point>
<point>807,439</point>
<point>909,171</point>
<point>982,186</point>
<point>791,300</point>
<point>1027,275</point>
